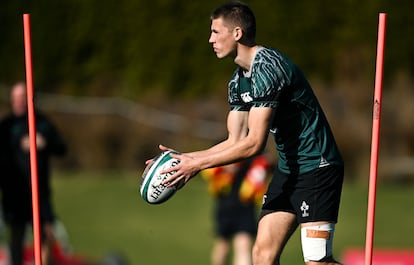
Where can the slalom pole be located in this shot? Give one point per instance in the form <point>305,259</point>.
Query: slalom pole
<point>32,137</point>
<point>375,139</point>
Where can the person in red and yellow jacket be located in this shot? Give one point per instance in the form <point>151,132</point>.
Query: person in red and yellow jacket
<point>237,189</point>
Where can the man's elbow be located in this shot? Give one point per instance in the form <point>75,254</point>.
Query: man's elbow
<point>256,148</point>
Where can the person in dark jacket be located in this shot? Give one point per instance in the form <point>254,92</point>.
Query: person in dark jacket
<point>15,178</point>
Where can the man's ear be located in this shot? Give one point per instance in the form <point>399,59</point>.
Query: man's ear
<point>237,33</point>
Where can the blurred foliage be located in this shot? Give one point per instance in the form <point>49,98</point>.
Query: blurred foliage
<point>153,51</point>
<point>131,47</point>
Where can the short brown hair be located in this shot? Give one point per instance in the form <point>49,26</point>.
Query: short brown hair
<point>237,13</point>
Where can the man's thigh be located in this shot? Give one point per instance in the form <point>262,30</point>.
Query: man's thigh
<point>274,231</point>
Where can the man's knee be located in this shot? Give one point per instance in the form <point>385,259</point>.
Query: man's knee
<point>263,255</point>
<point>317,242</point>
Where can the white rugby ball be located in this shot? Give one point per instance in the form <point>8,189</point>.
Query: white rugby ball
<point>152,190</point>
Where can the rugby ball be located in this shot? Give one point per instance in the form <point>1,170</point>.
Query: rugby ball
<point>152,190</point>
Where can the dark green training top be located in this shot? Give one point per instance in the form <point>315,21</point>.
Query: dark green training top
<point>304,140</point>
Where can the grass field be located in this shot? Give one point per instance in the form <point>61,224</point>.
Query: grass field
<point>104,213</point>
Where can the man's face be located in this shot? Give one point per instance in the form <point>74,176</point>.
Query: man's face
<point>18,100</point>
<point>222,39</point>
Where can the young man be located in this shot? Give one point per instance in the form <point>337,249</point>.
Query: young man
<point>267,92</point>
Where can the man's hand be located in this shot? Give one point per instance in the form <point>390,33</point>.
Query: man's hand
<point>186,169</point>
<point>40,142</point>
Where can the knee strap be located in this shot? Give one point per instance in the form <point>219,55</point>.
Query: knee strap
<point>317,241</point>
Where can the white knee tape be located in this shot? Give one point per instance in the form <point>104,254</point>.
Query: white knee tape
<point>317,241</point>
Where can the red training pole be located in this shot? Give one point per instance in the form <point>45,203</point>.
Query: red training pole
<point>375,139</point>
<point>32,137</point>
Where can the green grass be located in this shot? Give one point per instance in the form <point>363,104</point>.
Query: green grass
<point>104,213</point>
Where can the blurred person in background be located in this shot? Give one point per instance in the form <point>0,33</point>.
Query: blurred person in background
<point>15,177</point>
<point>237,190</point>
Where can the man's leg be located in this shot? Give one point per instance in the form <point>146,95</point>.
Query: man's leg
<point>242,243</point>
<point>220,252</point>
<point>317,238</point>
<point>17,234</point>
<point>274,231</point>
<point>47,244</point>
